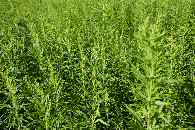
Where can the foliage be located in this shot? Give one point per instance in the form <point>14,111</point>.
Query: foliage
<point>105,64</point>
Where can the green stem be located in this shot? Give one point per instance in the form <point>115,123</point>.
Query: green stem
<point>150,93</point>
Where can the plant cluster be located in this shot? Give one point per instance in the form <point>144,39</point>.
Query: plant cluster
<point>97,64</point>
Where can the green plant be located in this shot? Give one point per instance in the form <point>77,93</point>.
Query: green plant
<point>73,64</point>
<point>153,74</point>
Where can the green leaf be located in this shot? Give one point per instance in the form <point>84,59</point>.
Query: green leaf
<point>139,94</point>
<point>141,77</point>
<point>161,103</point>
<point>167,121</point>
<point>171,81</point>
<point>144,111</point>
<point>135,126</point>
<point>159,38</point>
<point>134,114</point>
<point>83,87</point>
<point>82,113</point>
<point>103,122</point>
<point>97,113</point>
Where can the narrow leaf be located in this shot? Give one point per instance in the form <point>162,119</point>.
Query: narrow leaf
<point>135,126</point>
<point>161,103</point>
<point>134,114</point>
<point>103,122</point>
<point>140,76</point>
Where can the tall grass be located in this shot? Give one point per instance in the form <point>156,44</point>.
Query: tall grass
<point>106,64</point>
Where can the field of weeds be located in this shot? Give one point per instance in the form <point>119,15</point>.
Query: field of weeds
<point>97,64</point>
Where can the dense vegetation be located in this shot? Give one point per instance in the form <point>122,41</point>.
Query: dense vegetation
<point>97,64</point>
